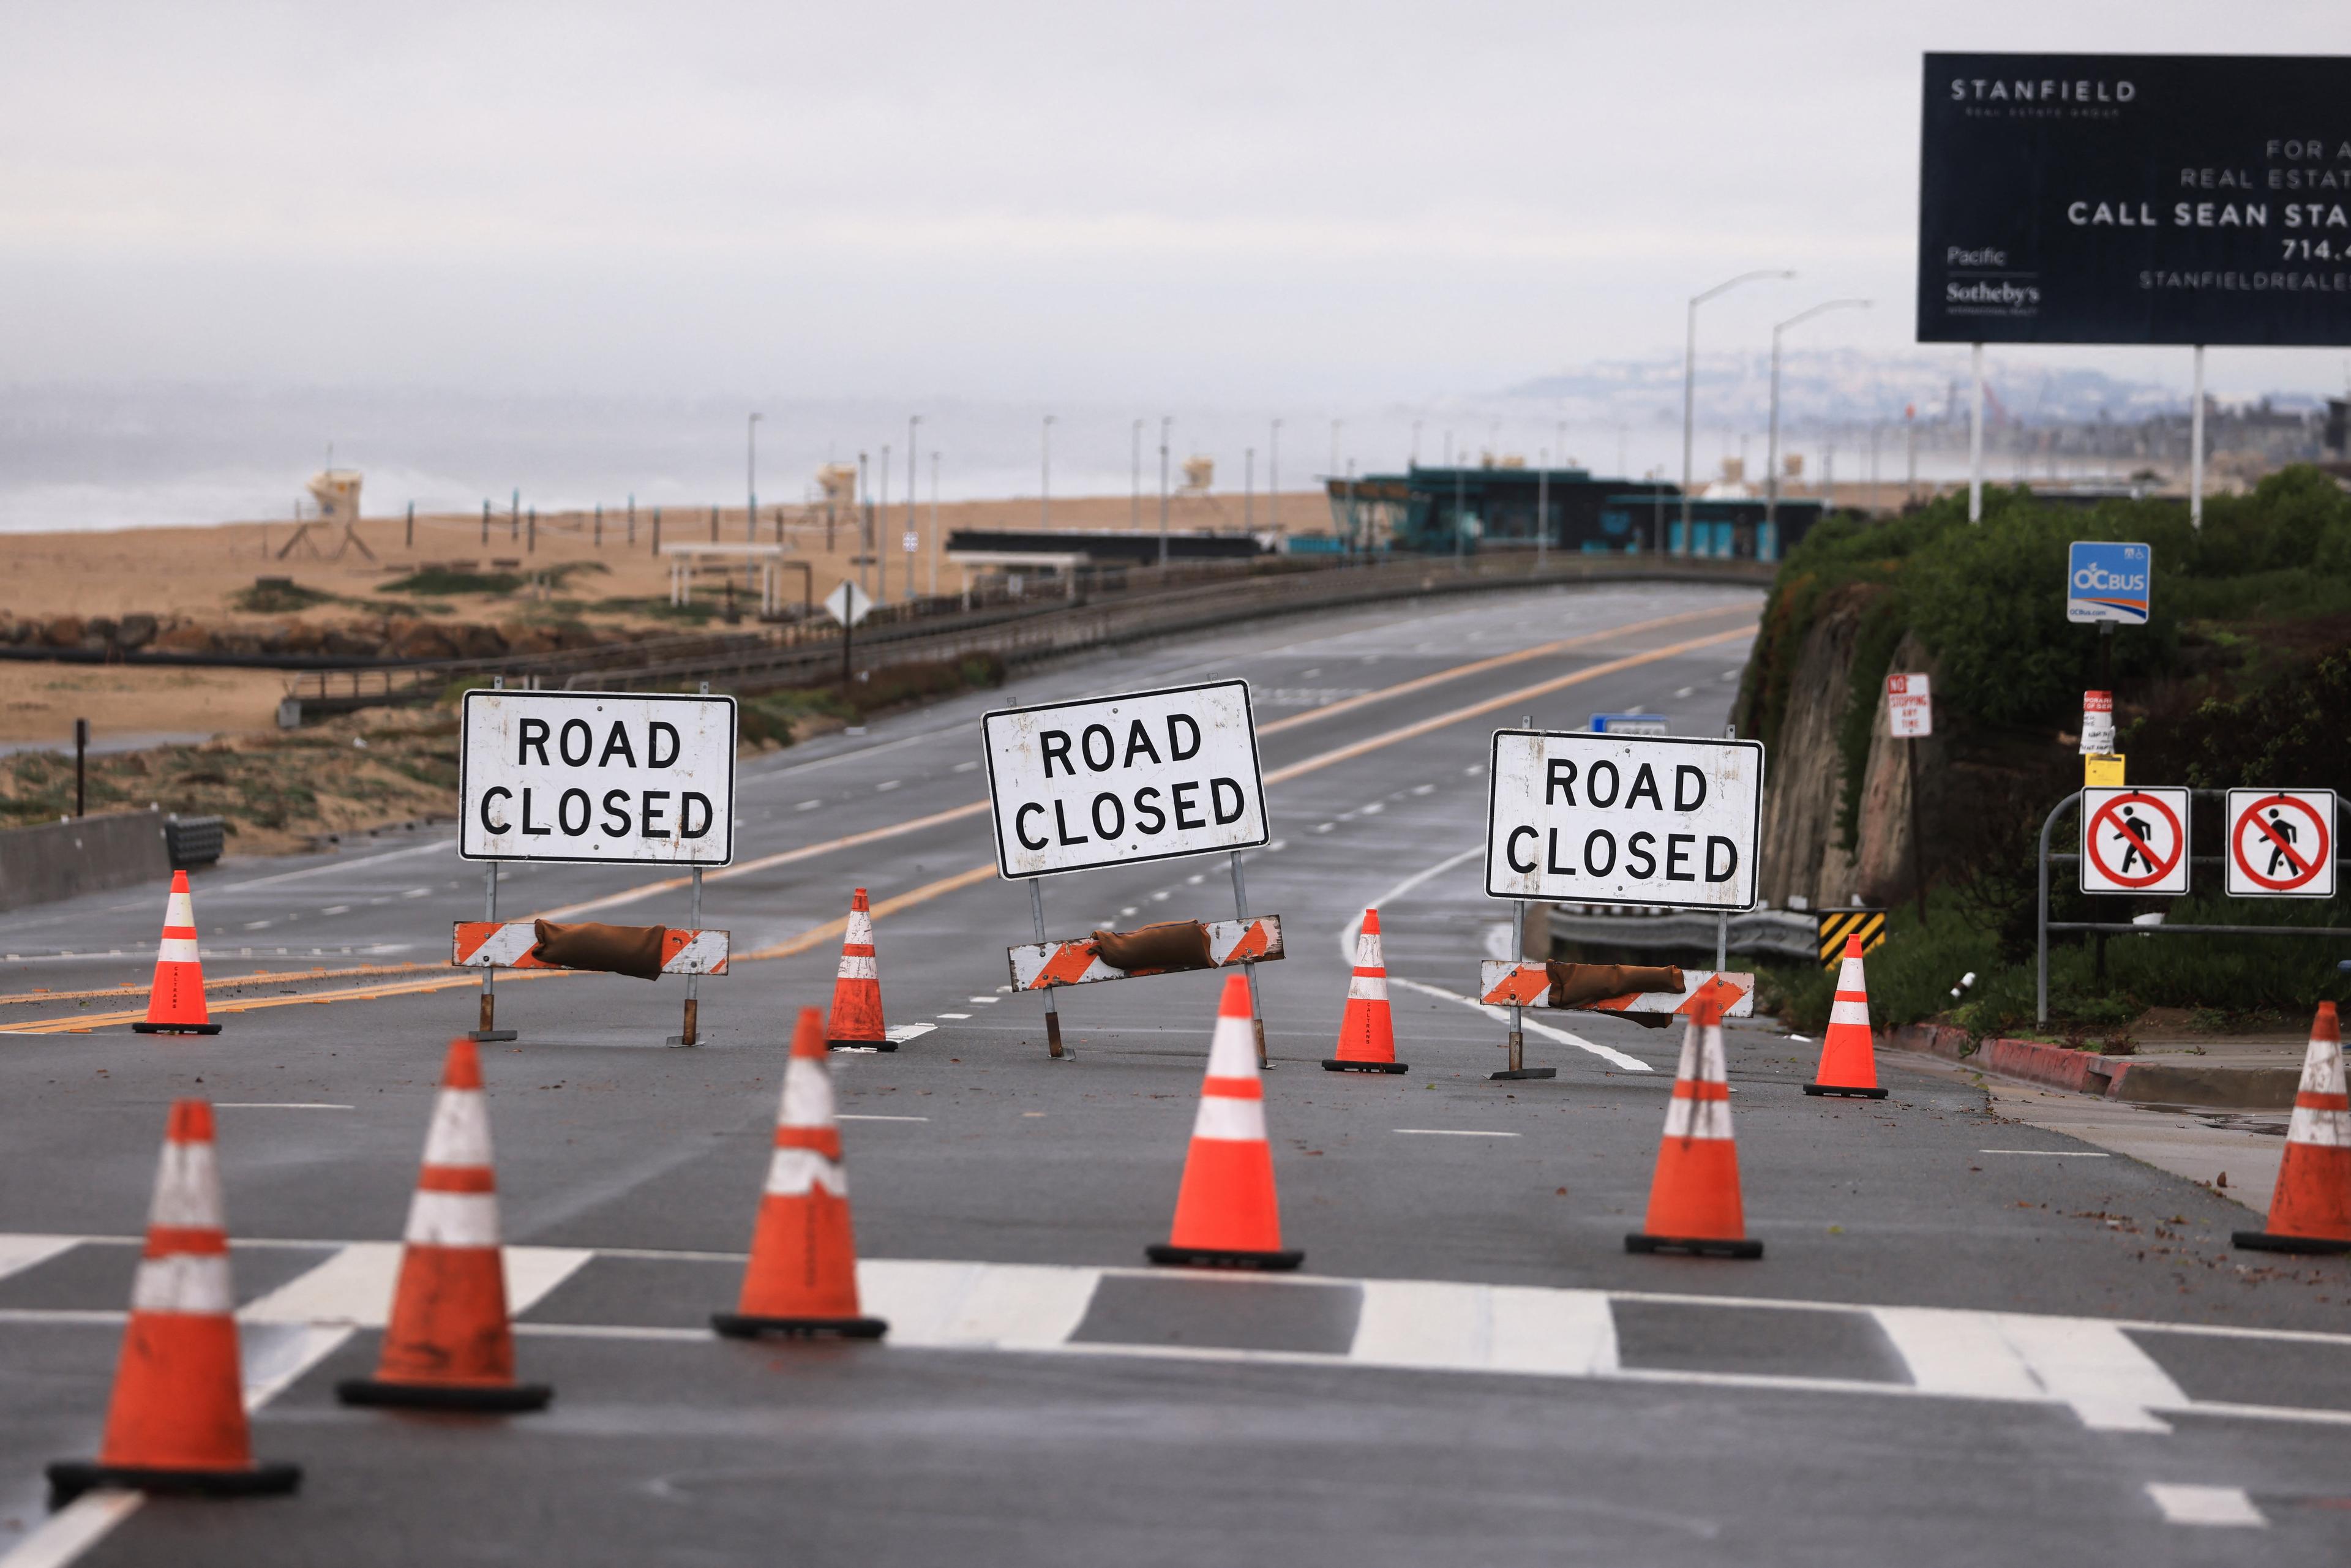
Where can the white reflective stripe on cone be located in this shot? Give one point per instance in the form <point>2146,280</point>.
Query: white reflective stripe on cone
<point>1232,1049</point>
<point>184,1282</point>
<point>1697,1118</point>
<point>176,950</point>
<point>2322,1129</point>
<point>1227,1120</point>
<point>2322,1068</point>
<point>860,929</point>
<point>460,1135</point>
<point>1849,977</point>
<point>1849,1012</point>
<point>453,1219</point>
<point>808,1095</point>
<point>179,909</point>
<point>795,1172</point>
<point>1367,950</point>
<point>1367,988</point>
<point>857,966</point>
<point>187,1190</point>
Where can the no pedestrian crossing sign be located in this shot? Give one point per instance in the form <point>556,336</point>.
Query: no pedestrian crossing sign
<point>613,777</point>
<point>1111,781</point>
<point>2135,841</point>
<point>1664,821</point>
<point>2281,843</point>
<point>2108,581</point>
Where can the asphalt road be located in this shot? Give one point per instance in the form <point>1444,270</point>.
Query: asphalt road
<point>1968,1342</point>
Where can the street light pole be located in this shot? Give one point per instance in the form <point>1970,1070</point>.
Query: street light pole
<point>1273,479</point>
<point>1134,507</point>
<point>1689,383</point>
<point>1165,420</point>
<point>1045,483</point>
<point>913,478</point>
<point>750,493</point>
<point>1771,453</point>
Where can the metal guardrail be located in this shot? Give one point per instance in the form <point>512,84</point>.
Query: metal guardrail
<point>1779,933</point>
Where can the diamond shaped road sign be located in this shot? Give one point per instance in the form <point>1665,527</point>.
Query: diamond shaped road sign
<point>848,603</point>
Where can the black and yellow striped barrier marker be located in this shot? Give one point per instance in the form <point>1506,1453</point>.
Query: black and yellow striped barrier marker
<point>1836,924</point>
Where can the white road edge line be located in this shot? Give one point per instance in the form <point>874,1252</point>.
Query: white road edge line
<point>1456,1132</point>
<point>277,1105</point>
<point>2050,1153</point>
<point>74,1529</point>
<point>851,1116</point>
<point>2223,1506</point>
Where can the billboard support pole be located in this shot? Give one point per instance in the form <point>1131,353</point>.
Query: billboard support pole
<point>1975,441</point>
<point>2196,448</point>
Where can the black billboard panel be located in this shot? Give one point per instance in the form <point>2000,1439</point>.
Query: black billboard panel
<point>2135,199</point>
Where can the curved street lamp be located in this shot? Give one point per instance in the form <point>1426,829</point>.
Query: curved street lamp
<point>1772,461</point>
<point>1689,386</point>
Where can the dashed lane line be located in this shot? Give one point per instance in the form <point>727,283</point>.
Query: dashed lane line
<point>2226,1507</point>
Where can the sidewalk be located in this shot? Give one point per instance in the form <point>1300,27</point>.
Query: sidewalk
<point>2256,1071</point>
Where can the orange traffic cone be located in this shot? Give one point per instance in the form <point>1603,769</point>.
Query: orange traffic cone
<point>1226,1216</point>
<point>175,1003</point>
<point>1848,1064</point>
<point>449,1345</point>
<point>2310,1211</point>
<point>802,1277</point>
<point>856,1020</point>
<point>177,1421</point>
<point>1366,1033</point>
<point>1694,1204</point>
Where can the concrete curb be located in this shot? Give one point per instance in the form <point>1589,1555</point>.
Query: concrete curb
<point>2108,1077</point>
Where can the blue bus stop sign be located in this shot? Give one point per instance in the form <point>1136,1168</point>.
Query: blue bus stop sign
<point>2108,581</point>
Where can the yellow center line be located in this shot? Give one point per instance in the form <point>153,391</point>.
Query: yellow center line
<point>816,935</point>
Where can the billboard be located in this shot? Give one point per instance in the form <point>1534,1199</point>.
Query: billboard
<point>2135,199</point>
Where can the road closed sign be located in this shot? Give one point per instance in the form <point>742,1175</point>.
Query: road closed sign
<point>2135,841</point>
<point>1624,818</point>
<point>606,776</point>
<point>2281,843</point>
<point>1111,780</point>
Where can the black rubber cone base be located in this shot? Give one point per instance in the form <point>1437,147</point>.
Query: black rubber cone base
<point>69,1478</point>
<point>492,1036</point>
<point>1695,1246</point>
<point>1848,1094</point>
<point>2264,1241</point>
<point>860,1045</point>
<point>1517,1073</point>
<point>1340,1065</point>
<point>175,1029</point>
<point>501,1399</point>
<point>1222,1258</point>
<point>736,1325</point>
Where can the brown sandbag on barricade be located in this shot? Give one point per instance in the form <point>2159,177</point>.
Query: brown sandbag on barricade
<point>1576,985</point>
<point>1170,944</point>
<point>615,950</point>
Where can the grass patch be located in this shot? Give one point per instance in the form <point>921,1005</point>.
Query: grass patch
<point>441,580</point>
<point>276,596</point>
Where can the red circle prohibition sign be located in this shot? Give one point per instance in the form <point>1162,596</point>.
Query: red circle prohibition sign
<point>2163,867</point>
<point>2306,863</point>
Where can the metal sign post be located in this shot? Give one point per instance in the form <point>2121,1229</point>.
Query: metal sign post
<point>1518,1040</point>
<point>1257,1008</point>
<point>488,1030</point>
<point>1052,1014</point>
<point>688,1031</point>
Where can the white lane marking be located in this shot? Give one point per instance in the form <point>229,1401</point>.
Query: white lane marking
<point>418,893</point>
<point>1027,1113</point>
<point>1454,1133</point>
<point>277,1106</point>
<point>859,1116</point>
<point>2093,1366</point>
<point>956,1016</point>
<point>965,766</point>
<point>1130,909</point>
<point>886,786</point>
<point>2050,1153</point>
<point>808,805</point>
<point>2222,1506</point>
<point>354,1286</point>
<point>19,1252</point>
<point>991,1001</point>
<point>1424,788</point>
<point>1355,927</point>
<point>1159,897</point>
<point>275,1355</point>
<point>74,1529</point>
<point>906,1031</point>
<point>978,1306</point>
<point>1685,691</point>
<point>1375,808</point>
<point>1950,1351</point>
<point>1617,1057</point>
<point>258,924</point>
<point>1324,827</point>
<point>1195,879</point>
<point>443,846</point>
<point>336,909</point>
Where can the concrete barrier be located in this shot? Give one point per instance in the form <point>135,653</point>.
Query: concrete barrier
<point>90,854</point>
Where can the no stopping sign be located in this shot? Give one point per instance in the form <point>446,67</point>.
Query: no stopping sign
<point>2135,841</point>
<point>2281,843</point>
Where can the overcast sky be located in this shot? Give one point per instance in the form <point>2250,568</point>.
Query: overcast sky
<point>1014,201</point>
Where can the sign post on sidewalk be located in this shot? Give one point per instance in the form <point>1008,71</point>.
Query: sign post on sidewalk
<point>1911,718</point>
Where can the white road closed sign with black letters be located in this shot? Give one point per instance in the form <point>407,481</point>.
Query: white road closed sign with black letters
<point>623,777</point>
<point>1111,780</point>
<point>1663,821</point>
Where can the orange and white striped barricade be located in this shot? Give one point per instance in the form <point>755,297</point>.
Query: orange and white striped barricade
<point>1075,962</point>
<point>493,945</point>
<point>1501,983</point>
